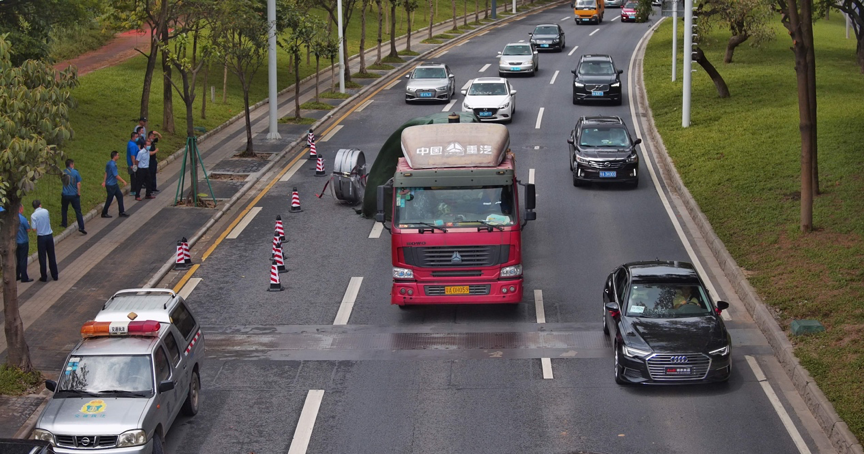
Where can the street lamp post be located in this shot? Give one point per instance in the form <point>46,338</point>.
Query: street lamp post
<point>688,61</point>
<point>273,133</point>
<point>341,49</point>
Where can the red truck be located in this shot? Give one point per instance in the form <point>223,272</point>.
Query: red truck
<point>456,218</point>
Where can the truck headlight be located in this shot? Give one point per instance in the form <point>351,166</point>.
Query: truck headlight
<point>511,271</point>
<point>43,435</point>
<point>634,352</point>
<point>132,438</point>
<point>720,351</point>
<point>402,273</point>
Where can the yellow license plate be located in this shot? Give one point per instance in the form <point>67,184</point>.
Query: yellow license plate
<point>456,290</point>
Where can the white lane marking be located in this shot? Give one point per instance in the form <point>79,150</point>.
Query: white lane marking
<point>485,67</point>
<point>546,364</point>
<point>442,53</point>
<point>293,170</point>
<point>539,118</point>
<point>573,50</point>
<point>377,228</point>
<point>465,87</point>
<point>566,18</point>
<point>778,406</point>
<point>303,432</point>
<point>530,176</point>
<point>449,106</point>
<point>348,301</point>
<point>481,34</point>
<point>521,40</point>
<point>616,17</point>
<point>331,134</point>
<point>536,147</point>
<point>694,259</point>
<point>538,306</point>
<point>463,42</point>
<point>363,106</point>
<point>243,223</point>
<point>554,76</point>
<point>595,31</point>
<point>189,287</point>
<point>395,83</point>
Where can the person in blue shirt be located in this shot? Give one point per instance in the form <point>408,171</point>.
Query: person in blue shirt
<point>22,240</point>
<point>132,160</point>
<point>71,195</point>
<point>111,186</point>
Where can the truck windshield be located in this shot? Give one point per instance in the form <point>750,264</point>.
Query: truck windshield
<point>101,375</point>
<point>454,207</point>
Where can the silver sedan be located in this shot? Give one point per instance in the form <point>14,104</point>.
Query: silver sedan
<point>518,58</point>
<point>430,82</point>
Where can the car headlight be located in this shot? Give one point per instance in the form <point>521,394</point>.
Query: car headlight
<point>410,90</point>
<point>578,84</point>
<point>581,160</point>
<point>634,352</point>
<point>132,438</point>
<point>720,351</point>
<point>511,271</point>
<point>442,88</point>
<point>402,273</point>
<point>555,40</point>
<point>616,85</point>
<point>43,435</point>
<point>528,63</point>
<point>633,158</point>
<point>505,105</point>
<point>466,107</point>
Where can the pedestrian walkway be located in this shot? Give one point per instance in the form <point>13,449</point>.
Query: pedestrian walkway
<point>127,252</point>
<point>121,48</point>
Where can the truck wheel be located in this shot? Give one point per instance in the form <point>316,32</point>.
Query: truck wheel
<point>190,406</point>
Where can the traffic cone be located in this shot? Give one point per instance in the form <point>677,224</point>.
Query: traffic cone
<point>180,258</point>
<point>310,142</point>
<point>273,246</point>
<point>312,152</point>
<point>319,167</point>
<point>275,284</point>
<point>279,258</point>
<point>187,256</point>
<point>295,201</point>
<point>280,230</point>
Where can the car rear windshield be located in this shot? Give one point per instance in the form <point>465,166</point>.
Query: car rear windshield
<point>609,136</point>
<point>487,89</point>
<point>667,300</point>
<point>631,5</point>
<point>596,68</point>
<point>430,73</point>
<point>546,30</point>
<point>517,50</point>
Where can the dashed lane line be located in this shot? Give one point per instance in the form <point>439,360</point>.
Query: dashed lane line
<point>778,406</point>
<point>303,432</point>
<point>464,87</point>
<point>331,134</point>
<point>485,67</point>
<point>189,287</point>
<point>564,18</point>
<point>244,223</point>
<point>364,105</point>
<point>545,363</point>
<point>393,84</point>
<point>554,76</point>
<point>539,118</point>
<point>294,169</point>
<point>595,31</point>
<point>463,42</point>
<point>449,106</point>
<point>572,50</point>
<point>440,54</point>
<point>377,228</point>
<point>186,277</point>
<point>614,18</point>
<point>348,301</point>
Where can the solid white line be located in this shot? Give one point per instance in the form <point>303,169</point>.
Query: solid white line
<point>377,228</point>
<point>573,50</point>
<point>614,18</point>
<point>190,285</point>
<point>778,406</point>
<point>485,67</point>
<point>546,364</point>
<point>348,301</point>
<point>530,176</point>
<point>539,118</point>
<point>363,106</point>
<point>293,170</point>
<point>243,223</point>
<point>595,31</point>
<point>331,134</point>
<point>566,18</point>
<point>395,83</point>
<point>554,76</point>
<point>303,432</point>
<point>538,306</point>
<point>449,106</point>
<point>656,180</point>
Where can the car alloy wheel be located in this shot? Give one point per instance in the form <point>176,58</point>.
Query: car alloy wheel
<point>618,379</point>
<point>605,328</point>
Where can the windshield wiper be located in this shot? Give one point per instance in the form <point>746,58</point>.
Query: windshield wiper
<point>487,225</point>
<point>124,393</point>
<point>431,226</point>
<point>77,393</point>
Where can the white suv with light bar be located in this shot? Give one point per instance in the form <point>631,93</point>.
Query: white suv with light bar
<point>135,369</point>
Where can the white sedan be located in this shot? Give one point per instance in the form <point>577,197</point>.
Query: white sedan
<point>490,99</point>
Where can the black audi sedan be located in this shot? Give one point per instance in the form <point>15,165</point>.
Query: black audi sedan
<point>665,328</point>
<point>596,79</point>
<point>548,37</point>
<point>602,150</point>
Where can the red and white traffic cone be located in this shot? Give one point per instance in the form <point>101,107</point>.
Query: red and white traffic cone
<point>295,201</point>
<point>276,241</point>
<point>310,142</point>
<point>312,152</point>
<point>279,258</point>
<point>280,230</point>
<point>275,283</point>
<point>319,167</point>
<point>180,258</point>
<point>187,256</point>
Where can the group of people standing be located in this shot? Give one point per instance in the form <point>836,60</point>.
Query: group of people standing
<point>141,159</point>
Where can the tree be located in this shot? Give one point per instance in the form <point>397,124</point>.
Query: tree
<point>431,18</point>
<point>719,83</point>
<point>34,121</point>
<point>363,5</point>
<point>347,9</point>
<point>455,25</point>
<point>855,10</point>
<point>323,47</point>
<point>746,19</point>
<point>302,30</point>
<point>28,24</point>
<point>393,53</point>
<point>410,6</point>
<point>380,20</point>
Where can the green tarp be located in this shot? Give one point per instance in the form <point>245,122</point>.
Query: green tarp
<point>384,166</point>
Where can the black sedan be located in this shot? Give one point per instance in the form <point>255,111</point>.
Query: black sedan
<point>664,327</point>
<point>548,37</point>
<point>596,79</point>
<point>601,150</point>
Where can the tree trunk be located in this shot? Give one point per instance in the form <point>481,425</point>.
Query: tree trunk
<point>408,17</point>
<point>317,72</point>
<point>333,74</point>
<point>431,18</point>
<point>363,6</point>
<point>18,353</point>
<point>344,54</point>
<point>393,52</point>
<point>297,87</point>
<point>476,12</point>
<point>148,73</point>
<point>465,11</point>
<point>734,41</point>
<point>807,28</point>
<point>250,149</point>
<point>189,101</point>
<point>204,97</point>
<point>719,83</point>
<point>859,51</point>
<point>380,17</point>
<point>486,9</point>
<point>167,94</point>
<point>225,85</point>
<point>455,25</point>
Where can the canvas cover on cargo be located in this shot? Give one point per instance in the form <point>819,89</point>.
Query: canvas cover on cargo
<point>438,146</point>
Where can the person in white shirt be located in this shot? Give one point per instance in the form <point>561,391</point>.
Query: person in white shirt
<point>142,175</point>
<point>40,221</point>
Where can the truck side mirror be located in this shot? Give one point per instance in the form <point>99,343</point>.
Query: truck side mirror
<point>530,197</point>
<point>379,204</point>
<point>51,385</point>
<point>530,216</point>
<point>166,386</point>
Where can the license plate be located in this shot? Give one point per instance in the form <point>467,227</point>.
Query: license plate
<point>596,93</point>
<point>426,95</point>
<point>456,290</point>
<point>544,45</point>
<point>608,173</point>
<point>485,114</point>
<point>585,20</point>
<point>515,68</point>
<point>677,371</point>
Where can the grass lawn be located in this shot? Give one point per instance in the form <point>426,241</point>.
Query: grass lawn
<point>312,105</point>
<point>741,160</point>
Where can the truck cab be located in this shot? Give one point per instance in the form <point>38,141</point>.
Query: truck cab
<point>589,11</point>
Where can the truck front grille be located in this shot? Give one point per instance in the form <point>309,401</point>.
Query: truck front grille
<point>86,441</point>
<point>457,256</point>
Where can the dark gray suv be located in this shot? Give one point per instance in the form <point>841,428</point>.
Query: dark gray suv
<point>596,79</point>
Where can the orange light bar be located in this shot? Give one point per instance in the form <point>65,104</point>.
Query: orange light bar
<point>130,328</point>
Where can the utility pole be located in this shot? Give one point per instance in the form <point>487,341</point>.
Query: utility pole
<point>688,60</point>
<point>273,134</point>
<point>341,49</point>
<point>674,40</point>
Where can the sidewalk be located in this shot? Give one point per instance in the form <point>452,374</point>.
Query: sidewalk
<point>118,50</point>
<point>136,251</point>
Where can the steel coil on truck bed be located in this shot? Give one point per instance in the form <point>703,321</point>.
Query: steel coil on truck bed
<point>349,176</point>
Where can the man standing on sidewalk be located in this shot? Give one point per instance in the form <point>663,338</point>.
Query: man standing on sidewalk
<point>22,241</point>
<point>71,194</point>
<point>142,176</point>
<point>131,153</point>
<point>111,186</point>
<point>44,241</point>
